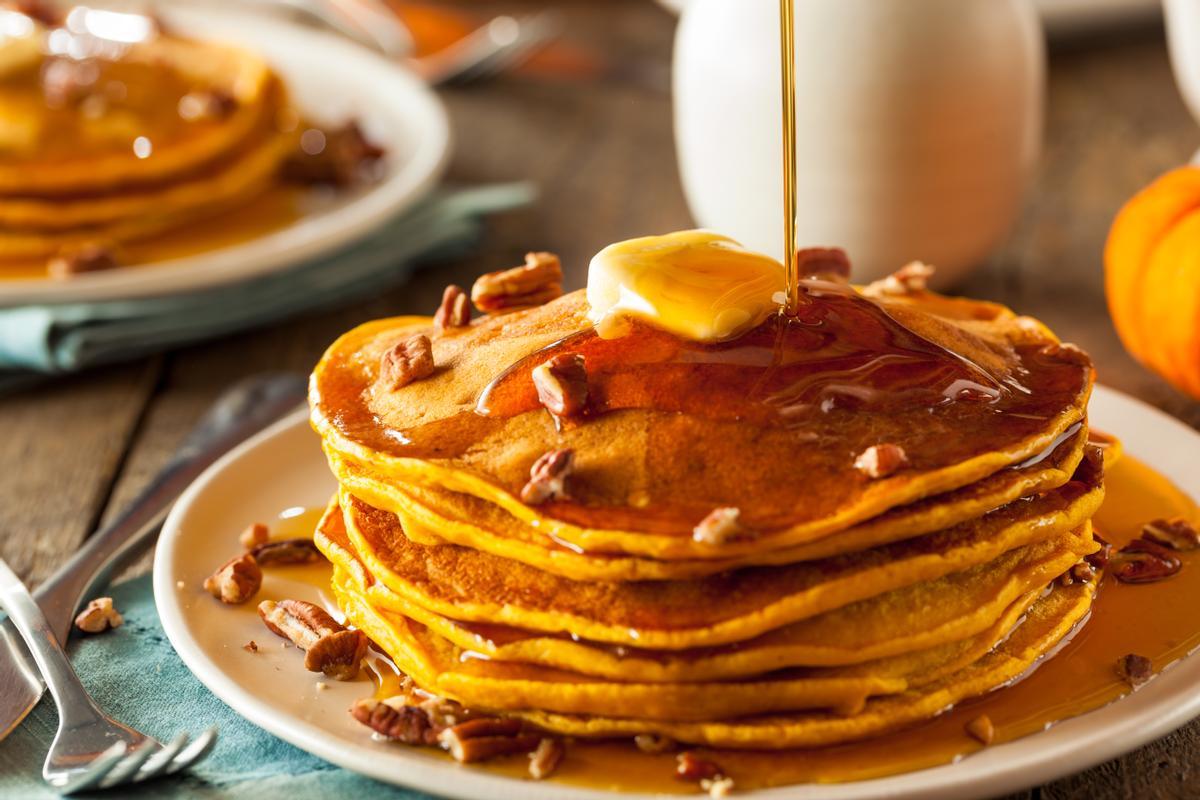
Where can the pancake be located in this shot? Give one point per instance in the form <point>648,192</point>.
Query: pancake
<point>470,585</point>
<point>655,463</point>
<point>890,624</point>
<point>440,667</point>
<point>431,515</point>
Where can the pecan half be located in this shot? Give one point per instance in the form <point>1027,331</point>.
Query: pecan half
<point>254,535</point>
<point>455,310</point>
<point>396,719</point>
<point>547,477</point>
<point>1142,561</point>
<point>562,385</point>
<point>87,257</point>
<point>981,729</point>
<point>486,737</point>
<point>827,263</point>
<point>720,526</point>
<point>909,279</point>
<point>1134,669</point>
<point>653,743</point>
<point>99,616</point>
<point>405,362</point>
<point>538,281</point>
<point>235,581</point>
<point>881,460</point>
<point>287,551</point>
<point>546,758</point>
<point>1099,559</point>
<point>329,647</point>
<point>1091,466</point>
<point>691,767</point>
<point>1177,533</point>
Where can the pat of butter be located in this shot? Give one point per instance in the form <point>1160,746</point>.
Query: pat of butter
<point>696,284</point>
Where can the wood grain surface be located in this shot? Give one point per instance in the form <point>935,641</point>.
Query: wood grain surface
<point>76,450</point>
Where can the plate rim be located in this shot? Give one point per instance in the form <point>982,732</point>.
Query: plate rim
<point>306,239</point>
<point>1071,746</point>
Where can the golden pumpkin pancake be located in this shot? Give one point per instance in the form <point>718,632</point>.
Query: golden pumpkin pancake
<point>440,667</point>
<point>682,427</point>
<point>472,586</point>
<point>432,515</point>
<point>897,622</point>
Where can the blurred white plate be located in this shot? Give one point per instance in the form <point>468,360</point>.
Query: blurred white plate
<point>332,80</point>
<point>272,690</point>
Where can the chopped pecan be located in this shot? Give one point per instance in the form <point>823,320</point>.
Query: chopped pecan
<point>455,310</point>
<point>405,362</point>
<point>691,767</point>
<point>1067,353</point>
<point>236,581</point>
<point>547,477</point>
<point>99,616</point>
<point>1177,533</point>
<point>720,526</point>
<point>87,257</point>
<point>1091,466</point>
<point>545,759</point>
<point>206,104</point>
<point>487,737</point>
<point>981,729</point>
<point>329,647</point>
<point>653,743</point>
<point>1079,573</point>
<point>562,384</point>
<point>1099,559</point>
<point>396,719</point>
<point>909,279</point>
<point>538,281</point>
<point>881,460</point>
<point>827,263</point>
<point>287,551</point>
<point>250,646</point>
<point>1142,561</point>
<point>254,535</point>
<point>1134,669</point>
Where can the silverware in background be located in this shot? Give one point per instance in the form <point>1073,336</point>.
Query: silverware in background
<point>244,410</point>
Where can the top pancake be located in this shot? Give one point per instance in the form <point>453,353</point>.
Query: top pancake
<point>770,423</point>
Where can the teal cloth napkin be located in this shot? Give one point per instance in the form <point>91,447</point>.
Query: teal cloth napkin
<point>135,675</point>
<point>40,340</point>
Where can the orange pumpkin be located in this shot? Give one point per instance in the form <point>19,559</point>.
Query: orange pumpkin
<point>1152,277</point>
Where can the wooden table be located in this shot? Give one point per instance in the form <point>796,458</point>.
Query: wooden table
<point>602,154</point>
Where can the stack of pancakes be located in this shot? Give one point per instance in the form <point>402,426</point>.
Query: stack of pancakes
<point>732,558</point>
<point>107,141</point>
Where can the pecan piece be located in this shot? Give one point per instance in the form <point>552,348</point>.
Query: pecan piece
<point>1177,533</point>
<point>909,279</point>
<point>235,581</point>
<point>653,743</point>
<point>254,535</point>
<point>1079,573</point>
<point>1142,561</point>
<point>486,737</point>
<point>1091,466</point>
<point>548,476</point>
<point>1099,559</point>
<point>287,551</point>
<point>455,310</point>
<point>338,157</point>
<point>691,767</point>
<point>881,460</point>
<point>250,646</point>
<point>538,281</point>
<point>87,257</point>
<point>545,759</point>
<point>405,362</point>
<point>720,526</point>
<point>99,616</point>
<point>562,385</point>
<point>1134,669</point>
<point>826,263</point>
<point>981,729</point>
<point>396,719</point>
<point>329,647</point>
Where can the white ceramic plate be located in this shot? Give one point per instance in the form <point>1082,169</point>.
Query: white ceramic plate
<point>332,80</point>
<point>284,467</point>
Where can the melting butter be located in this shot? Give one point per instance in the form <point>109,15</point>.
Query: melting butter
<point>695,284</point>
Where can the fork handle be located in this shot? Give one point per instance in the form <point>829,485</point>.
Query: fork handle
<point>75,706</point>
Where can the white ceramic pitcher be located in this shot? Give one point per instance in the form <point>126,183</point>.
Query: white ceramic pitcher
<point>919,122</point>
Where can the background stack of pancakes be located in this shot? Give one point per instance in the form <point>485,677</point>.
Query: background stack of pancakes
<point>820,531</point>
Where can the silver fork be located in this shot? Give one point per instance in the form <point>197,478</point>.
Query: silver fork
<point>91,749</point>
<point>503,43</point>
